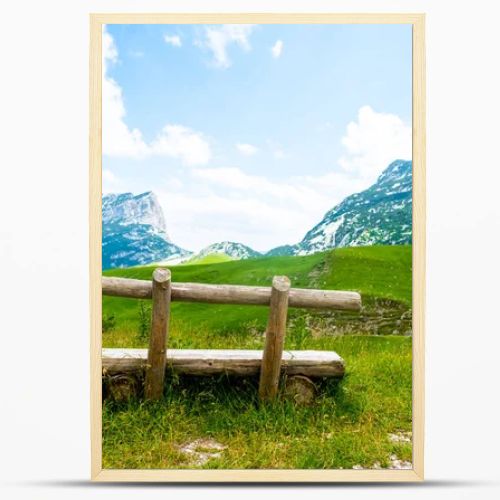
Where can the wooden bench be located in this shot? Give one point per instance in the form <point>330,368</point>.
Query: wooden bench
<point>124,368</point>
<point>235,362</point>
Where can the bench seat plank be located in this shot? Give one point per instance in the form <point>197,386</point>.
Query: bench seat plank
<point>229,361</point>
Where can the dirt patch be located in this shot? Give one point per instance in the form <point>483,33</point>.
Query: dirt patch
<point>400,437</point>
<point>317,272</point>
<point>200,451</point>
<point>379,317</point>
<point>395,464</point>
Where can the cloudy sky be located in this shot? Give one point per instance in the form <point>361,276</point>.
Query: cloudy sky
<point>250,133</point>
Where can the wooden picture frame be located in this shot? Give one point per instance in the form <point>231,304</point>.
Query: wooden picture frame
<point>95,219</point>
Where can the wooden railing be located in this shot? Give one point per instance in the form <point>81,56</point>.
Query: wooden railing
<point>278,297</point>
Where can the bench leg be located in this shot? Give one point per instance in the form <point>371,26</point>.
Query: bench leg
<point>275,337</point>
<point>300,389</point>
<point>155,371</point>
<point>122,388</point>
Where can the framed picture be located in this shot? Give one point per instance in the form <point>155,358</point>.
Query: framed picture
<point>257,247</point>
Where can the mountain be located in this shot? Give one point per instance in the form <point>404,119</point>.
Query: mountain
<point>234,250</point>
<point>282,250</point>
<point>380,215</point>
<point>126,209</point>
<point>134,231</point>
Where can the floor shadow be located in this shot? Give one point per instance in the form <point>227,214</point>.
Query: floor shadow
<point>430,484</point>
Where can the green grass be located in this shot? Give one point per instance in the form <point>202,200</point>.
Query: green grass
<point>348,425</point>
<point>213,258</point>
<point>378,273</point>
<point>350,421</point>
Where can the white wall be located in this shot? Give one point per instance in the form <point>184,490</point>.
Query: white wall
<point>44,245</point>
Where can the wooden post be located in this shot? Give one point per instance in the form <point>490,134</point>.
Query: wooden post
<point>275,337</point>
<point>155,371</point>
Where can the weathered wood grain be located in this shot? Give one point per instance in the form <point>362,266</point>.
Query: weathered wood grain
<point>155,372</point>
<point>300,389</point>
<point>275,337</point>
<point>233,294</point>
<point>126,287</point>
<point>122,387</point>
<point>231,361</point>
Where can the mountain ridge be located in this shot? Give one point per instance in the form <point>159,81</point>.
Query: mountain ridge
<point>134,231</point>
<point>233,249</point>
<point>381,214</point>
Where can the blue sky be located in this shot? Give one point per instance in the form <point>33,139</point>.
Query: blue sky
<point>251,133</point>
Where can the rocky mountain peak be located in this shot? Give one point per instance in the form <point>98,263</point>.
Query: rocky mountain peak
<point>379,215</point>
<point>125,209</point>
<point>134,231</point>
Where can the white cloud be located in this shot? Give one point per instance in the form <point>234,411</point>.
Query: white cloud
<point>201,216</point>
<point>118,140</point>
<point>110,182</point>
<point>174,40</point>
<point>218,38</point>
<point>181,142</point>
<point>277,49</point>
<point>374,141</point>
<point>304,192</point>
<point>108,176</point>
<point>233,177</point>
<point>246,149</point>
<point>109,50</point>
<point>227,203</point>
<point>253,209</point>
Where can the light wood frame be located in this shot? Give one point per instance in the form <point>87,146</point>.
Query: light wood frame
<point>95,157</point>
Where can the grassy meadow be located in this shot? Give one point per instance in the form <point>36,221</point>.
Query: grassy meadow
<point>353,421</point>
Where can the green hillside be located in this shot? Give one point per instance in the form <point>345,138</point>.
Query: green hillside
<point>213,258</point>
<point>381,274</point>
